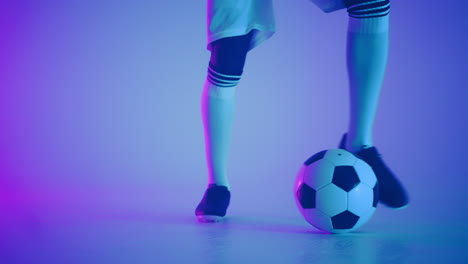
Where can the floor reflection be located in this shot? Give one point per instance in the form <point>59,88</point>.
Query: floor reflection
<point>47,233</point>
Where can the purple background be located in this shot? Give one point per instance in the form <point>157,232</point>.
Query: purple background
<point>100,107</point>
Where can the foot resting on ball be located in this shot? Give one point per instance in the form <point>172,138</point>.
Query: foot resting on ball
<point>392,192</point>
<point>213,206</point>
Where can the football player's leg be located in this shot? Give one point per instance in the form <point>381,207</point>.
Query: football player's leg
<point>225,68</point>
<point>367,49</point>
<point>217,104</point>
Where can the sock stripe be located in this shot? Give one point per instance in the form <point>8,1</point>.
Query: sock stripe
<point>215,77</point>
<point>376,2</point>
<point>221,83</point>
<point>222,80</point>
<point>371,15</point>
<point>370,9</point>
<point>374,11</point>
<point>221,75</point>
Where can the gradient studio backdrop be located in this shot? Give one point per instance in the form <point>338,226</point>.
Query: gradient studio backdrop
<point>100,107</point>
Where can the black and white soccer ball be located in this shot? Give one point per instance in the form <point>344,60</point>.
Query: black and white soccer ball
<point>336,191</point>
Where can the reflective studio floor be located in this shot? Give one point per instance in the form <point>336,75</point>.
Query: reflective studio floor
<point>68,228</point>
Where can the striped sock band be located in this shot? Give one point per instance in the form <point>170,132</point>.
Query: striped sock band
<point>222,80</point>
<point>369,9</point>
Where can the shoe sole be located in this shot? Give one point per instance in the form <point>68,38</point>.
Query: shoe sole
<point>400,208</point>
<point>209,218</point>
<point>395,208</point>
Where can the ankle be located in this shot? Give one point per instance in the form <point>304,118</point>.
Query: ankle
<point>356,146</point>
<point>225,184</point>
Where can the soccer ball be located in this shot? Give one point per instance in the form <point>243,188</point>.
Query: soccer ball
<point>336,191</point>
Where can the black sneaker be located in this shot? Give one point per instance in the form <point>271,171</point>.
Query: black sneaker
<point>391,191</point>
<point>213,206</point>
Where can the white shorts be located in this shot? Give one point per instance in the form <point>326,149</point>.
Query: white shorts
<point>228,18</point>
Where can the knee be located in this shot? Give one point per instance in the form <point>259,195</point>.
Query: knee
<point>367,8</point>
<point>227,60</point>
